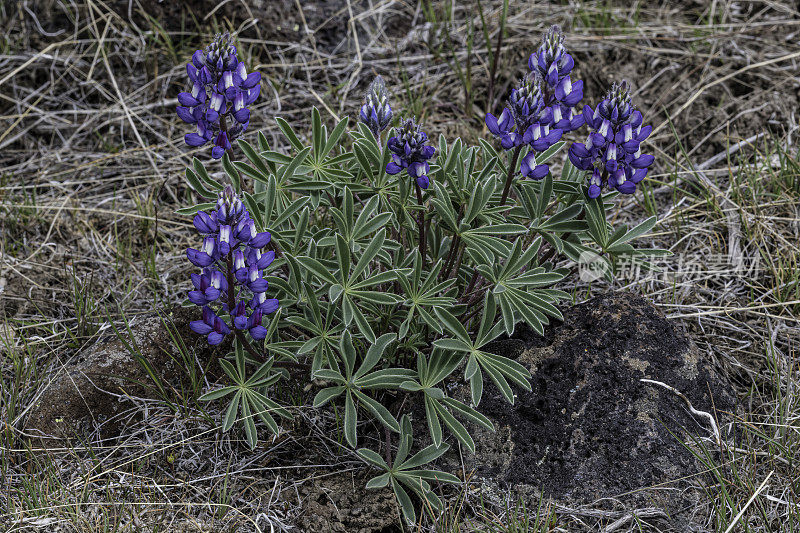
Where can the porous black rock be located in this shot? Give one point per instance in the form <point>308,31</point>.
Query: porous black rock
<point>590,428</point>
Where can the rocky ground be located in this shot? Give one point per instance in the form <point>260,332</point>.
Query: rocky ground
<point>590,429</point>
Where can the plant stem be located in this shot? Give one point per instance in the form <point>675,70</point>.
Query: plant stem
<point>388,435</point>
<point>223,127</point>
<point>457,263</point>
<point>231,304</point>
<point>472,282</point>
<point>421,222</point>
<point>451,255</point>
<point>510,176</point>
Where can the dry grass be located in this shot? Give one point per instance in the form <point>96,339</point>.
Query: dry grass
<point>91,158</point>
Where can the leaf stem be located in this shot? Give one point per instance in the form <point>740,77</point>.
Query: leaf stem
<point>421,222</point>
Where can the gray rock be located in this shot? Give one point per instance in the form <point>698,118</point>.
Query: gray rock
<point>88,391</point>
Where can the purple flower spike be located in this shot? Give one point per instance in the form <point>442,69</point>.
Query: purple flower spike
<point>410,151</point>
<point>221,91</point>
<point>232,261</point>
<point>376,112</point>
<point>552,60</point>
<point>553,65</point>
<point>613,150</point>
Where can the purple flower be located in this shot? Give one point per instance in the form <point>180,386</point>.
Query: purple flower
<point>613,150</point>
<point>211,325</point>
<point>527,119</point>
<point>257,331</point>
<point>264,304</point>
<point>376,112</point>
<point>206,255</point>
<point>231,280</point>
<point>221,91</point>
<point>209,285</point>
<point>410,151</point>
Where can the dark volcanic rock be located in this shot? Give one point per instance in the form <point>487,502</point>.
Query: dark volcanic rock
<point>89,390</point>
<point>590,428</point>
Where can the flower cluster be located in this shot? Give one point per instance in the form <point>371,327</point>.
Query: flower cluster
<point>526,120</point>
<point>540,109</point>
<point>613,152</point>
<point>554,64</point>
<point>410,151</point>
<point>232,262</point>
<point>376,112</point>
<point>220,88</point>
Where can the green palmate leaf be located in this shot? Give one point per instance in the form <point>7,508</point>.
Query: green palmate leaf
<point>249,425</point>
<point>291,136</point>
<point>433,422</point>
<point>251,172</point>
<point>195,183</point>
<point>288,171</point>
<point>254,158</point>
<point>452,324</point>
<point>202,173</point>
<point>350,420</point>
<point>379,482</point>
<point>317,269</point>
<point>335,135</point>
<point>217,393</point>
<point>327,394</point>
<point>361,322</point>
<point>369,254</point>
<point>378,411</point>
<point>367,161</point>
<point>405,501</point>
<point>317,133</point>
<point>230,413</point>
<point>598,228</point>
<point>374,353</point>
<point>634,233</point>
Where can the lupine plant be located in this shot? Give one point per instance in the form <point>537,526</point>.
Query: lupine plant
<point>397,261</point>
